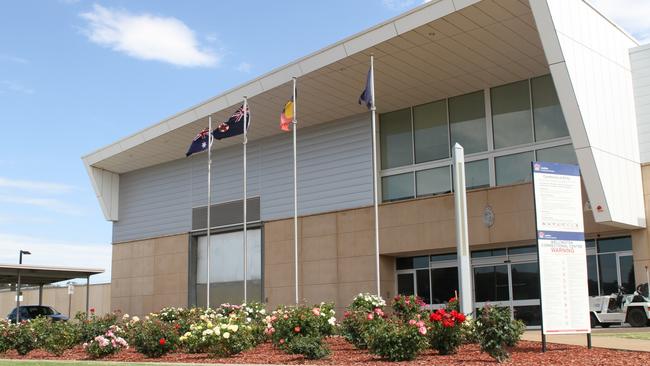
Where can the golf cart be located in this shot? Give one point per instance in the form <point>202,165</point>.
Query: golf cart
<point>619,308</point>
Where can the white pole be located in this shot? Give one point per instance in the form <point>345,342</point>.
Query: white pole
<point>207,282</point>
<point>462,241</point>
<point>295,193</point>
<point>373,110</point>
<point>245,200</point>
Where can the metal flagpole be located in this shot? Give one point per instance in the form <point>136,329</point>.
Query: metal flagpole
<point>373,110</point>
<point>295,193</point>
<point>207,291</point>
<point>245,199</point>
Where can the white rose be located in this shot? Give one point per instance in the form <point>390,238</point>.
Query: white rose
<point>226,335</point>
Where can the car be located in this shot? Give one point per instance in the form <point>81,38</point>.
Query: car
<point>28,312</point>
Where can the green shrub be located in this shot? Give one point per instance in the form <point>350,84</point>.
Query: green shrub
<point>24,338</point>
<point>445,332</point>
<point>6,336</point>
<point>356,324</point>
<point>468,332</point>
<point>106,344</point>
<point>153,337</point>
<point>94,325</point>
<point>312,348</point>
<point>497,330</point>
<point>407,307</point>
<point>394,340</point>
<point>59,336</point>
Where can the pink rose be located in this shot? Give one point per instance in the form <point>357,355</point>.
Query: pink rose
<point>412,322</point>
<point>422,330</point>
<point>316,311</point>
<point>370,316</point>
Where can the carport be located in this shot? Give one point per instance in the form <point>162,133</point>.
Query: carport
<point>43,275</point>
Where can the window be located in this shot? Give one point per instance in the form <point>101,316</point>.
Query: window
<point>433,181</point>
<point>397,187</point>
<point>227,267</point>
<point>477,174</point>
<point>515,168</point>
<point>412,262</point>
<point>614,244</point>
<point>610,265</point>
<point>467,122</point>
<point>444,284</point>
<point>511,117</point>
<point>547,113</point>
<point>396,139</point>
<point>491,283</point>
<point>559,154</point>
<point>431,131</point>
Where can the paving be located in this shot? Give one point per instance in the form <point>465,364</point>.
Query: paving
<point>602,338</point>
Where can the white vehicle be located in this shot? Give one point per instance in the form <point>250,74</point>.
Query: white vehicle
<point>619,308</point>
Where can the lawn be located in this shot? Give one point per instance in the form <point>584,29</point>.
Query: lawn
<point>643,336</point>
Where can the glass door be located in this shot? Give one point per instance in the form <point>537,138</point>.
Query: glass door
<point>406,283</point>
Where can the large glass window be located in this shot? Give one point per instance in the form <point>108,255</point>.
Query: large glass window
<point>445,284</point>
<point>525,281</point>
<point>431,131</point>
<point>592,275</point>
<point>547,113</point>
<point>467,122</point>
<point>433,181</point>
<point>614,244</point>
<point>511,117</point>
<point>396,139</point>
<point>405,284</point>
<point>608,275</point>
<point>424,285</point>
<point>610,265</point>
<point>397,187</point>
<point>559,154</point>
<point>515,168</point>
<point>491,283</point>
<point>477,174</point>
<point>227,268</point>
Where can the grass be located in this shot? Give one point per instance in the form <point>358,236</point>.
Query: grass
<point>643,336</point>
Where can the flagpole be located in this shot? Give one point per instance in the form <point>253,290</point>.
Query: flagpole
<point>295,192</point>
<point>245,200</point>
<point>373,110</point>
<point>207,291</point>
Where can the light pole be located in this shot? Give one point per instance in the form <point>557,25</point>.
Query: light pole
<point>20,261</point>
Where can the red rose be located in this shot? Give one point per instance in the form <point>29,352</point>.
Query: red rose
<point>346,314</point>
<point>296,329</point>
<point>460,317</point>
<point>92,310</point>
<point>162,341</point>
<point>435,317</point>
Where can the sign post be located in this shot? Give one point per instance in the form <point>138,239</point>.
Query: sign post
<point>561,249</point>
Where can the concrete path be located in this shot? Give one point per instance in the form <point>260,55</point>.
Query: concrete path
<point>602,338</point>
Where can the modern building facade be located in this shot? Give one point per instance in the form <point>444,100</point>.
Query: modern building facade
<point>512,81</point>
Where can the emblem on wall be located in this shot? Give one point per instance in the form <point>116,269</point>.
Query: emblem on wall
<point>488,216</point>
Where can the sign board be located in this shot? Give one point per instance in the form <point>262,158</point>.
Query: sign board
<point>561,248</point>
<point>70,289</point>
<point>18,298</point>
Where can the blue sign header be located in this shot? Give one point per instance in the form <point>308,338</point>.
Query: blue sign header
<point>555,168</point>
<point>561,235</point>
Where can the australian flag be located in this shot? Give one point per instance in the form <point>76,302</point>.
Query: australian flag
<point>366,97</point>
<point>233,126</point>
<point>200,143</point>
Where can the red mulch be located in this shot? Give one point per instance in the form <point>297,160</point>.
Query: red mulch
<point>343,353</point>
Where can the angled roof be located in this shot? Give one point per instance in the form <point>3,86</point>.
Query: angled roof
<point>42,275</point>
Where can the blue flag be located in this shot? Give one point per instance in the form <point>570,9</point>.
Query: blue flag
<point>200,143</point>
<point>233,126</point>
<point>366,96</point>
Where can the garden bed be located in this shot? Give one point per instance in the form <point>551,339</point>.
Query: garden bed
<point>343,353</point>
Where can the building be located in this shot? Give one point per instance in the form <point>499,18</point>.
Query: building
<point>512,81</point>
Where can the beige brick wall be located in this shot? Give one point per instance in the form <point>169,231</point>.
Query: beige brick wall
<point>337,249</point>
<point>148,275</point>
<point>641,238</point>
<point>57,297</point>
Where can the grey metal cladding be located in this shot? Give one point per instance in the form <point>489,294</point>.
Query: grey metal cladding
<point>334,173</point>
<point>227,213</point>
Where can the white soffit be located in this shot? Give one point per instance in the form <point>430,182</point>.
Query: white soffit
<point>589,61</point>
<point>440,49</point>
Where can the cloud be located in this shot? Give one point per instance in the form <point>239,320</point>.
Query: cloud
<point>8,86</point>
<point>15,59</point>
<point>40,186</point>
<point>57,253</point>
<point>398,4</point>
<point>632,15</point>
<point>244,67</point>
<point>50,204</point>
<point>147,37</point>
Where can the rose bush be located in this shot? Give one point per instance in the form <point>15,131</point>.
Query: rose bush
<point>496,330</point>
<point>407,306</point>
<point>445,334</point>
<point>106,344</point>
<point>6,336</point>
<point>306,325</point>
<point>364,312</point>
<point>218,335</point>
<point>153,337</point>
<point>395,340</point>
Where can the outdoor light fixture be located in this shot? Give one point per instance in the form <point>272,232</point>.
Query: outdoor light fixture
<point>20,258</point>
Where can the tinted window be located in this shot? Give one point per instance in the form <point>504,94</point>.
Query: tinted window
<point>515,168</point>
<point>547,113</point>
<point>444,284</point>
<point>433,181</point>
<point>614,244</point>
<point>397,187</point>
<point>511,117</point>
<point>467,122</point>
<point>431,131</point>
<point>396,139</point>
<point>491,283</point>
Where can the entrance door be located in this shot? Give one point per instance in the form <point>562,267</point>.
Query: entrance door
<point>513,284</point>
